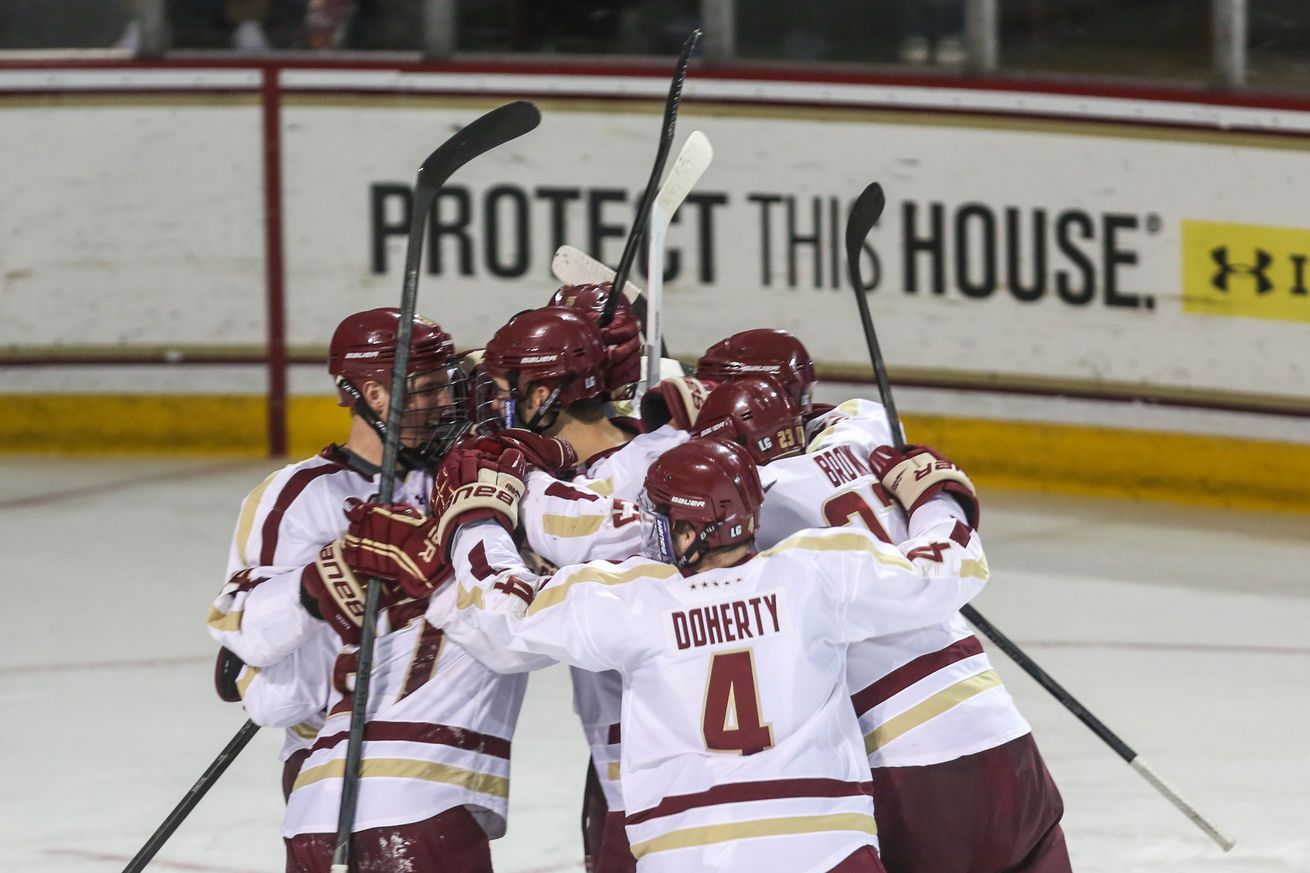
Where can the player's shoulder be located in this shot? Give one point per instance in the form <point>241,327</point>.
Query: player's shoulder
<point>624,578</point>
<point>302,489</point>
<point>805,544</point>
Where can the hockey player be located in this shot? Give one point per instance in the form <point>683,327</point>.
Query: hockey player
<point>764,352</point>
<point>958,783</point>
<point>741,751</point>
<point>291,611</point>
<point>558,372</point>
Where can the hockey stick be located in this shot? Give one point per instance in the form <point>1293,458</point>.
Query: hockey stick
<point>687,170</point>
<point>648,196</point>
<point>497,127</point>
<point>572,266</point>
<point>192,797</point>
<point>863,216</point>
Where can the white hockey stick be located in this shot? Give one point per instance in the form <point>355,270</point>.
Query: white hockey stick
<point>572,266</point>
<point>692,161</point>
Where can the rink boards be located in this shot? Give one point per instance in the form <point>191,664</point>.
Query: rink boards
<point>1056,275</point>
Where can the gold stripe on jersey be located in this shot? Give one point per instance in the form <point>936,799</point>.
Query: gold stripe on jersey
<point>840,542</point>
<point>408,768</point>
<point>765,827</point>
<point>613,771</point>
<point>224,621</point>
<point>974,568</point>
<point>603,487</point>
<point>305,730</point>
<point>571,525</point>
<point>553,594</point>
<point>246,523</point>
<point>247,676</point>
<point>934,706</point>
<point>850,407</point>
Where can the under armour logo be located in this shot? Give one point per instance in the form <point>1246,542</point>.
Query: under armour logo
<point>1262,262</point>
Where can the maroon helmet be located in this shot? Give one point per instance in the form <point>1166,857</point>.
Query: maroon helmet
<point>712,485</point>
<point>363,349</point>
<point>554,347</point>
<point>756,413</point>
<point>763,351</point>
<point>622,335</point>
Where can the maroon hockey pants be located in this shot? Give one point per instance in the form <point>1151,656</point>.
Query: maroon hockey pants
<point>994,812</point>
<point>452,842</point>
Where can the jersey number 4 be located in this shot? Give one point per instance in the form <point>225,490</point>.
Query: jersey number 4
<point>732,720</point>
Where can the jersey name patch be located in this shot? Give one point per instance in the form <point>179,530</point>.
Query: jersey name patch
<point>841,465</point>
<point>728,622</point>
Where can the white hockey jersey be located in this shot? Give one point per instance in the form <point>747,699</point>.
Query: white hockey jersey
<point>439,721</point>
<point>620,475</point>
<point>257,615</point>
<point>740,748</point>
<point>923,697</point>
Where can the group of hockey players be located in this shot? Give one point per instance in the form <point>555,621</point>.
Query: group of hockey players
<point>757,595</point>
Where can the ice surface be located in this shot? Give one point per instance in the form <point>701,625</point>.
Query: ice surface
<point>1186,630</point>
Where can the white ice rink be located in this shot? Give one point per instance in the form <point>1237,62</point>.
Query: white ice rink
<point>1186,630</point>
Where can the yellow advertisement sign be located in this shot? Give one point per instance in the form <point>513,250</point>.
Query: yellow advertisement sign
<point>1246,270</point>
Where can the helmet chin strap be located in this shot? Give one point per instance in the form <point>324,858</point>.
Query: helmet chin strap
<point>698,548</point>
<point>406,458</point>
<point>538,424</point>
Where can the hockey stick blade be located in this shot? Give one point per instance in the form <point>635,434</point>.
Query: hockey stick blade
<point>661,156</point>
<point>572,266</point>
<point>483,134</point>
<point>692,161</point>
<point>864,214</point>
<point>479,136</point>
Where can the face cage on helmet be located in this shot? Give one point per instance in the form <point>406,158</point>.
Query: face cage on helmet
<point>426,431</point>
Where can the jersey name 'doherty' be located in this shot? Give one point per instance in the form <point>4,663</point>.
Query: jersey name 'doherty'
<point>729,621</point>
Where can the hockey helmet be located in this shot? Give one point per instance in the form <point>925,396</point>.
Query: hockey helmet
<point>622,335</point>
<point>553,347</point>
<point>767,351</point>
<point>756,413</point>
<point>363,349</point>
<point>713,486</point>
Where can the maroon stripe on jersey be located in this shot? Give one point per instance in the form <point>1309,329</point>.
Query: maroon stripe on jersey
<point>907,674</point>
<point>741,792</point>
<point>432,734</point>
<point>568,492</point>
<point>401,614</point>
<point>961,534</point>
<point>244,580</point>
<point>478,561</point>
<point>615,735</point>
<point>290,491</point>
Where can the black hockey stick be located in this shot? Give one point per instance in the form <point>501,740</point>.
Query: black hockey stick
<point>192,797</point>
<point>863,216</point>
<point>497,127</point>
<point>648,196</point>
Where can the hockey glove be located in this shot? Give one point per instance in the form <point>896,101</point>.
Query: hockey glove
<point>330,590</point>
<point>674,401</point>
<point>917,474</point>
<point>554,455</point>
<point>474,486</point>
<point>623,350</point>
<point>395,543</point>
